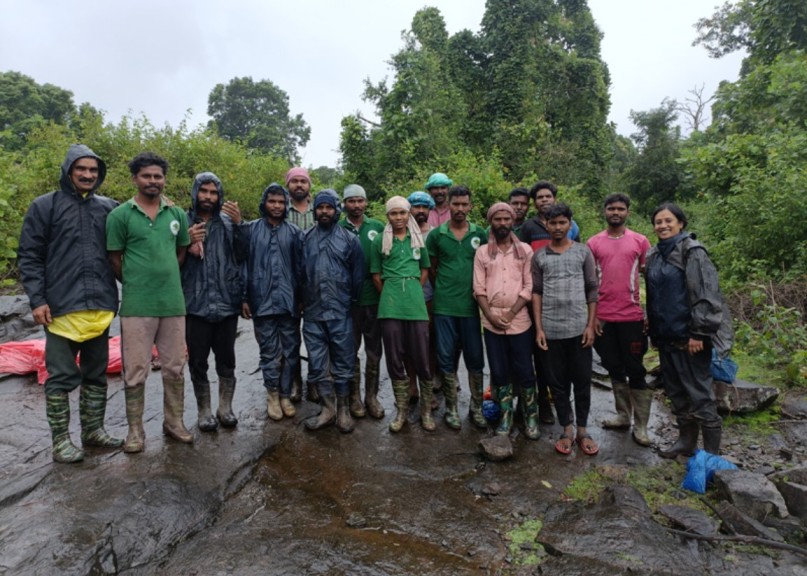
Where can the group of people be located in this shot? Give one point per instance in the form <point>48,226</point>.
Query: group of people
<point>417,284</point>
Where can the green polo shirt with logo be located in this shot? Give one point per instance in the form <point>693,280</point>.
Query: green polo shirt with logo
<point>367,232</point>
<point>402,297</point>
<point>151,280</point>
<point>453,290</point>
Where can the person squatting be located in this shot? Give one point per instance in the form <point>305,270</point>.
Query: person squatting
<point>321,272</point>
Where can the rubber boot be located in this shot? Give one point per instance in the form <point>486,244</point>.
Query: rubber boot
<point>426,394</point>
<point>401,390</point>
<point>135,403</point>
<point>344,421</point>
<point>476,384</point>
<point>92,408</point>
<point>173,410</point>
<point>371,379</point>
<point>530,408</point>
<point>206,421</point>
<point>356,407</point>
<point>642,401</point>
<point>296,383</point>
<point>452,416</point>
<point>712,433</point>
<point>57,408</point>
<point>225,410</point>
<point>312,394</point>
<point>327,415</point>
<point>686,442</point>
<point>622,403</point>
<point>286,406</point>
<point>505,397</point>
<point>273,405</point>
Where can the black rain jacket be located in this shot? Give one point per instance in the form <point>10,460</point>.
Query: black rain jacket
<point>213,285</point>
<point>62,254</point>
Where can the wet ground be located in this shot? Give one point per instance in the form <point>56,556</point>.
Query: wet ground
<point>274,498</point>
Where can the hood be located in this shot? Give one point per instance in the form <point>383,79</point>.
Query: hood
<point>75,152</point>
<point>274,187</point>
<point>204,178</point>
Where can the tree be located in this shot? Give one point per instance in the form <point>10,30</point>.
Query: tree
<point>765,28</point>
<point>693,108</point>
<point>257,114</point>
<point>530,88</point>
<point>749,163</point>
<point>656,176</point>
<point>24,104</point>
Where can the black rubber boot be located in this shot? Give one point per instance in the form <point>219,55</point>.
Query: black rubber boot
<point>206,421</point>
<point>686,442</point>
<point>344,421</point>
<point>712,434</point>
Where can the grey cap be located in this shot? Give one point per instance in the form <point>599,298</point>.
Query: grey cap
<point>354,191</point>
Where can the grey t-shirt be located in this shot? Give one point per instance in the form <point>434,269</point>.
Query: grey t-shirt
<point>567,282</point>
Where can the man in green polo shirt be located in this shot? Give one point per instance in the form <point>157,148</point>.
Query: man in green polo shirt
<point>365,312</point>
<point>146,240</point>
<point>452,247</point>
<point>399,263</point>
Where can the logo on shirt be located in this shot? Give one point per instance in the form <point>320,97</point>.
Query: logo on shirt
<point>416,253</point>
<point>475,242</point>
<point>372,234</point>
<point>174,227</point>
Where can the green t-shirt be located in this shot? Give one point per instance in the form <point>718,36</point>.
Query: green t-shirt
<point>402,297</point>
<point>453,290</point>
<point>151,279</point>
<point>367,232</point>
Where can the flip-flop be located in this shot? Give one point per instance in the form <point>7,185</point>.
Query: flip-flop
<point>561,447</point>
<point>588,448</point>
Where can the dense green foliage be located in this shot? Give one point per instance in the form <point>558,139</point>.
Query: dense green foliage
<point>529,90</point>
<point>35,169</point>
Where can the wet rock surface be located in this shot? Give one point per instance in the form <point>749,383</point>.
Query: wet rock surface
<point>273,498</point>
<point>743,397</point>
<point>752,493</point>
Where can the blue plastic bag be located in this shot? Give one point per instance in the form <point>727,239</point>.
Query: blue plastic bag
<point>701,469</point>
<point>491,411</point>
<point>723,369</point>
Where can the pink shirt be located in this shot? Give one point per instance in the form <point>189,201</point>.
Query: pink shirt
<point>437,217</point>
<point>618,263</point>
<point>502,280</point>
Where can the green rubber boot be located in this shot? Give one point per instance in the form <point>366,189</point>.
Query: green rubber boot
<point>475,383</point>
<point>505,397</point>
<point>92,409</point>
<point>531,429</point>
<point>57,408</point>
<point>401,390</point>
<point>452,416</point>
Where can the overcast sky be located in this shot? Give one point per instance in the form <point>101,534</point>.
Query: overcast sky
<point>161,58</point>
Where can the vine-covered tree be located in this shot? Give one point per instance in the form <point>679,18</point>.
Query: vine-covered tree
<point>530,88</point>
<point>257,115</point>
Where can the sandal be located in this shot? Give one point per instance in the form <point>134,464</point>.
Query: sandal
<point>587,445</point>
<point>564,445</point>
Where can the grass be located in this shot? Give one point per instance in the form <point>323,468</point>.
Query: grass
<point>523,548</point>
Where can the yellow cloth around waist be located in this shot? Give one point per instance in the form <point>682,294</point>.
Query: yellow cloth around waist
<point>82,325</point>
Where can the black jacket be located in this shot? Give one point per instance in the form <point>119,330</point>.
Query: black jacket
<point>213,285</point>
<point>62,254</point>
<point>683,295</point>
